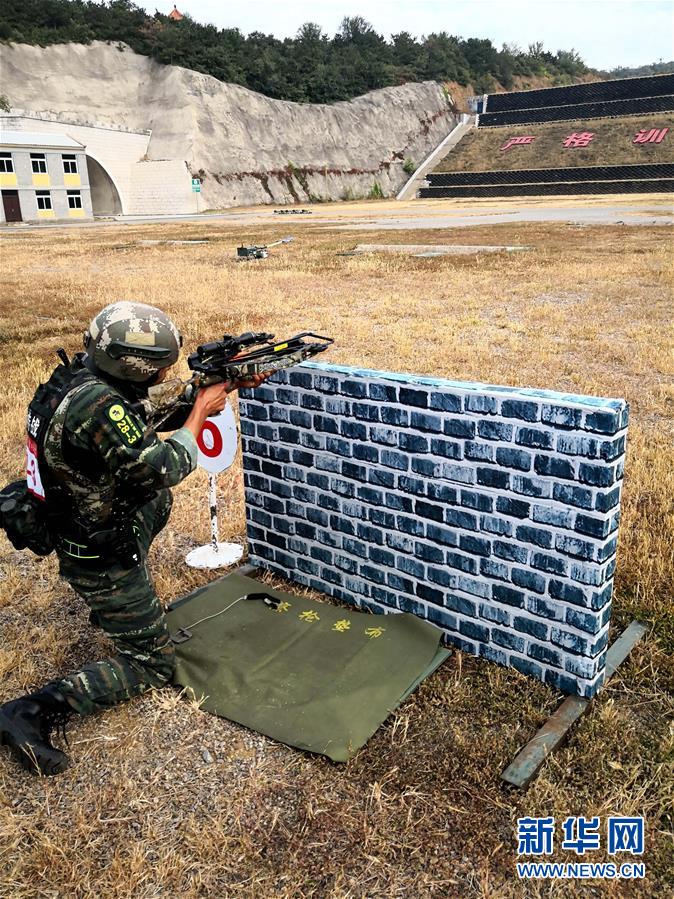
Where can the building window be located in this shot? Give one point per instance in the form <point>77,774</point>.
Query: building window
<point>69,164</point>
<point>43,199</point>
<point>39,163</point>
<point>74,199</point>
<point>6,162</point>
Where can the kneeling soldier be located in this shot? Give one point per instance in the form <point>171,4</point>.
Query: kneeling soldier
<point>105,480</point>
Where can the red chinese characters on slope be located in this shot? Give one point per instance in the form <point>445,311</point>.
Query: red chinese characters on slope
<point>650,136</point>
<point>584,138</point>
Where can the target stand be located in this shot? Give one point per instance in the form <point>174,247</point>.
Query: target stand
<point>217,443</point>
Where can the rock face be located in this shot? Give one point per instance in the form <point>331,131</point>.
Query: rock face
<point>247,148</point>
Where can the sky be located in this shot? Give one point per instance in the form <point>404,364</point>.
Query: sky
<point>606,33</point>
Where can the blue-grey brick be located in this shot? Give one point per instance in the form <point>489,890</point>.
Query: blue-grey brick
<point>399,503</point>
<point>459,519</point>
<point>462,563</point>
<point>561,518</point>
<point>343,488</point>
<point>607,501</point>
<point>478,402</point>
<point>452,472</point>
<point>442,618</point>
<point>508,640</point>
<point>568,641</point>
<point>381,478</point>
<point>529,626</point>
<point>573,546</point>
<point>272,469</point>
<point>441,576</point>
<point>354,430</point>
<point>424,421</point>
<point>354,388</point>
<point>247,427</point>
<point>279,540</point>
<point>392,459</point>
<point>305,530</point>
<point>534,438</point>
<point>513,458</point>
<point>257,447</point>
<point>430,554</point>
<point>328,463</point>
<point>573,495</point>
<point>441,492</point>
<point>508,596</point>
<point>387,436</point>
<point>543,607</point>
<point>410,397</point>
<point>528,534</point>
<point>449,449</point>
<point>530,486</point>
<point>328,538</point>
<point>494,430</point>
<point>477,546</point>
<point>560,681</point>
<point>445,402</point>
<point>407,604</point>
<point>381,594</point>
<point>560,416</point>
<point>257,482</point>
<point>610,450</point>
<point>385,557</point>
<point>411,485</point>
<point>480,452</point>
<point>354,471</point>
<point>551,564</point>
<point>313,402</point>
<point>458,603</point>
<point>289,435</point>
<point>336,405</point>
<point>528,579</point>
<point>369,533</point>
<point>332,576</point>
<point>573,445</point>
<point>568,593</point>
<point>284,525</point>
<point>338,523</point>
<point>365,453</point>
<point>298,546</point>
<point>250,463</point>
<point>322,554</point>
<point>430,594</point>
<point>400,542</point>
<point>304,494</point>
<point>526,411</point>
<point>526,666</point>
<point>510,551</point>
<point>318,516</point>
<point>553,467</point>
<point>315,479</point>
<point>584,621</point>
<point>515,507</point>
<point>256,413</point>
<point>545,654</point>
<point>474,631</point>
<point>381,518</point>
<point>366,412</point>
<point>492,569</point>
<point>301,379</point>
<point>412,443</point>
<point>373,573</point>
<point>355,547</point>
<point>476,587</point>
<point>370,495</point>
<point>493,613</point>
<point>441,535</point>
<point>464,645</point>
<point>426,467</point>
<point>325,501</point>
<point>428,510</point>
<point>344,563</point>
<point>396,582</point>
<point>286,396</point>
<point>493,655</point>
<point>255,533</point>
<point>325,423</point>
<point>597,475</point>
<point>409,566</point>
<point>260,517</point>
<point>493,477</point>
<point>459,427</point>
<point>393,415</point>
<point>479,501</point>
<point>353,509</point>
<point>608,550</point>
<point>495,525</point>
<point>386,393</point>
<point>603,422</point>
<point>312,441</point>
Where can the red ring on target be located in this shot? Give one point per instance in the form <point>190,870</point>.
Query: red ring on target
<point>211,451</point>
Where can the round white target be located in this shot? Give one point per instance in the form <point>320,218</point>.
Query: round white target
<point>218,441</point>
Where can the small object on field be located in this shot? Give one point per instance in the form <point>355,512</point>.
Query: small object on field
<point>206,756</point>
<point>259,252</point>
<point>292,212</point>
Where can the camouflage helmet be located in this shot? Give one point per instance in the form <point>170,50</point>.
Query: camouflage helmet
<point>132,341</point>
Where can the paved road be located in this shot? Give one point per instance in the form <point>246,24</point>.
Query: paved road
<point>417,214</point>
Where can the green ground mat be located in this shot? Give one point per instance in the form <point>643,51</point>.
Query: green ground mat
<point>312,675</point>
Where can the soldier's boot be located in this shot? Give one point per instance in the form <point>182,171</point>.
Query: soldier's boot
<point>26,725</point>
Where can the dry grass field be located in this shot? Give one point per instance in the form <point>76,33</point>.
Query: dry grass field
<point>166,800</point>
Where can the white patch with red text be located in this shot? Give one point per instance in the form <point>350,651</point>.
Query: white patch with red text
<point>33,479</point>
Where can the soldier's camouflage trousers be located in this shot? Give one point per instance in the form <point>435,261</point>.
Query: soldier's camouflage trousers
<point>123,602</point>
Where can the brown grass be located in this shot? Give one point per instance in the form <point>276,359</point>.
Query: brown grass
<point>420,812</point>
<point>480,149</point>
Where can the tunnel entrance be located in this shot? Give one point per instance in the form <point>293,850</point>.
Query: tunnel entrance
<point>105,199</point>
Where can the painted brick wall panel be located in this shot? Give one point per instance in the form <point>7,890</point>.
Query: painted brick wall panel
<point>490,511</point>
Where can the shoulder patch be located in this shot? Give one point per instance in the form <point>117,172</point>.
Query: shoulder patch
<point>125,423</point>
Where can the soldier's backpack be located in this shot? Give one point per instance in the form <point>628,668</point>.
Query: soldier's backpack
<point>25,511</point>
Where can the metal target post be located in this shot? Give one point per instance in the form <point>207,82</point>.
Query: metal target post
<point>218,444</point>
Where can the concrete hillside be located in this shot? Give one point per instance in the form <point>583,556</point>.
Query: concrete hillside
<point>247,147</point>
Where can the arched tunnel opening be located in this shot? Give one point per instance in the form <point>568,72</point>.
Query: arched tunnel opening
<point>105,198</point>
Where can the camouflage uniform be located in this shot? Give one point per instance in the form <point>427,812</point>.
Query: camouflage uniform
<point>118,474</point>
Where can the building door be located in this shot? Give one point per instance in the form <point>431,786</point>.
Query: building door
<point>10,202</point>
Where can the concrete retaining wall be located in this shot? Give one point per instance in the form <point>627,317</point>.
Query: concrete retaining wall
<point>490,511</point>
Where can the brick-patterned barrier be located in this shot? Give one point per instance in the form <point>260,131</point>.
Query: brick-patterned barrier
<point>490,511</point>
